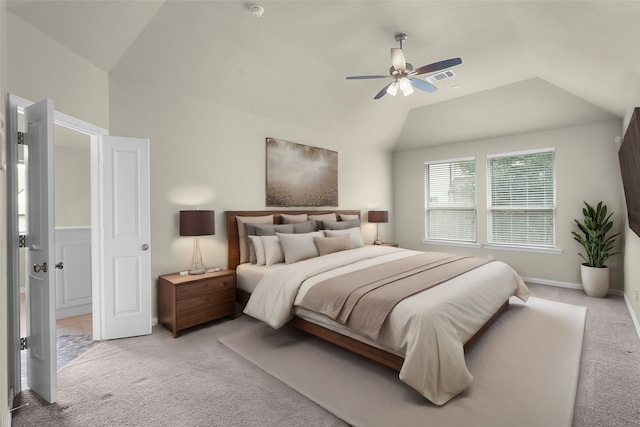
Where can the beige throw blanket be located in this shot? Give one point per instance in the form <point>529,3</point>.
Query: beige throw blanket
<point>363,299</point>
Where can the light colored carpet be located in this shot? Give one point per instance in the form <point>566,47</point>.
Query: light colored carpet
<point>159,381</point>
<point>525,370</point>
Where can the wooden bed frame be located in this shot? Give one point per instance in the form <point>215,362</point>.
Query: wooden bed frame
<point>388,359</point>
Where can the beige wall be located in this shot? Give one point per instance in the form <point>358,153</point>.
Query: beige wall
<point>4,318</point>
<point>213,157</point>
<point>40,67</point>
<point>72,185</point>
<point>586,169</point>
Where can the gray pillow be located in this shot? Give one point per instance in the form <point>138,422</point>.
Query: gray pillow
<point>268,229</point>
<point>338,225</point>
<point>303,227</point>
<point>328,245</point>
<point>297,247</point>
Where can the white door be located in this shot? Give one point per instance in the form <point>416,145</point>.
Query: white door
<point>125,262</point>
<point>41,290</point>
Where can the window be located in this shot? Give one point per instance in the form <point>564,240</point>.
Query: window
<point>521,198</point>
<point>450,187</point>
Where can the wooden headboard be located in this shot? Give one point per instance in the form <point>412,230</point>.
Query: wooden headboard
<point>233,239</point>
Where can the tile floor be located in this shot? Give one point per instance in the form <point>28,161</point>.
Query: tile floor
<point>74,337</point>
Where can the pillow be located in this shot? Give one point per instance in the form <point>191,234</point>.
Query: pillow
<point>268,229</point>
<point>303,227</point>
<point>322,217</point>
<point>338,225</point>
<point>346,217</point>
<point>297,247</point>
<point>328,245</point>
<point>354,233</point>
<point>290,219</point>
<point>272,250</point>
<point>258,249</point>
<point>242,232</point>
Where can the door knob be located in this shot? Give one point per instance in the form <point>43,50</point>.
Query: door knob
<point>145,247</point>
<point>59,265</point>
<point>38,268</point>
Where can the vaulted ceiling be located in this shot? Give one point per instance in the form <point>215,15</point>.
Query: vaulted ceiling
<point>573,54</point>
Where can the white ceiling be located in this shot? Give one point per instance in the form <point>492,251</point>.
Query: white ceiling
<point>290,64</point>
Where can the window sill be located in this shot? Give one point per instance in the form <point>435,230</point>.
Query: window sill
<point>451,243</point>
<point>512,248</point>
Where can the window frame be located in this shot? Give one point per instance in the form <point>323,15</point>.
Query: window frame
<point>519,246</point>
<point>474,209</point>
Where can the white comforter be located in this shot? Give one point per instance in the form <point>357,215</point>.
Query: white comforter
<point>429,328</point>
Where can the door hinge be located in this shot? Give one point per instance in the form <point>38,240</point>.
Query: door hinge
<point>22,240</point>
<point>20,138</point>
<point>23,343</point>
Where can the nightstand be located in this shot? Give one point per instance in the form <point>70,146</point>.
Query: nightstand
<point>186,301</point>
<point>393,245</point>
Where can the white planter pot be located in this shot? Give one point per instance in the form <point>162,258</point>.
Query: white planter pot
<point>595,281</point>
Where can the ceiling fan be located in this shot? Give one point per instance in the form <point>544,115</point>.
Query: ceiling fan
<point>404,75</point>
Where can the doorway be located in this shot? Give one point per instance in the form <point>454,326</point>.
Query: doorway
<point>72,172</point>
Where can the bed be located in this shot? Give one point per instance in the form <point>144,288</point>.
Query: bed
<point>423,337</point>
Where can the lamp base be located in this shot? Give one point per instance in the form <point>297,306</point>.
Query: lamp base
<point>197,271</point>
<point>197,267</point>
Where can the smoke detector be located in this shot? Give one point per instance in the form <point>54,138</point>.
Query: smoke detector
<point>256,10</point>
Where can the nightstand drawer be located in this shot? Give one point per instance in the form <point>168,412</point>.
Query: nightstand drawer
<point>204,300</point>
<point>203,287</point>
<point>201,313</point>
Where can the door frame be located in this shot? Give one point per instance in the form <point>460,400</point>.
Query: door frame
<point>13,254</point>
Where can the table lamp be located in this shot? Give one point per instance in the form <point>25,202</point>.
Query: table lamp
<point>377,217</point>
<point>197,223</point>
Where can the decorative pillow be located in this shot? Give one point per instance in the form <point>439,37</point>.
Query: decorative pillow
<point>272,250</point>
<point>328,245</point>
<point>258,249</point>
<point>242,232</point>
<point>338,225</point>
<point>346,217</point>
<point>290,219</point>
<point>303,227</point>
<point>354,233</point>
<point>322,217</point>
<point>297,247</point>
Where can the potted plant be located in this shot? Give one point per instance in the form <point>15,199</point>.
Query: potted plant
<point>598,248</point>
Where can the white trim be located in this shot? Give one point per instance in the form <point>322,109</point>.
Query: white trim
<point>522,153</point>
<point>451,243</point>
<point>438,162</point>
<point>515,248</point>
<point>567,285</point>
<point>63,119</point>
<point>633,315</point>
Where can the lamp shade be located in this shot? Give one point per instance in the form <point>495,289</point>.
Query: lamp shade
<point>197,223</point>
<point>378,216</point>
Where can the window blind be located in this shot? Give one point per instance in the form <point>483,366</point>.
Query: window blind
<point>450,212</point>
<point>521,194</point>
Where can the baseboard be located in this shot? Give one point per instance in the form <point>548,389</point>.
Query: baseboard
<point>568,285</point>
<point>633,315</point>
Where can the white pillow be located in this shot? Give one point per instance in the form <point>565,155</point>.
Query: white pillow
<point>258,249</point>
<point>347,217</point>
<point>297,247</point>
<point>272,250</point>
<point>291,218</point>
<point>356,236</point>
<point>242,233</point>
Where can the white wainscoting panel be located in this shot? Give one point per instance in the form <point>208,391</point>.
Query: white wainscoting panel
<point>73,281</point>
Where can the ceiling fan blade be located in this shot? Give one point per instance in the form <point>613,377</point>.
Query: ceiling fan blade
<point>437,66</point>
<point>377,76</point>
<point>383,92</point>
<point>397,59</point>
<point>422,85</point>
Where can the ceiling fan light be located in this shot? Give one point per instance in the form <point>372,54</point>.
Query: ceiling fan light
<point>393,89</point>
<point>407,91</point>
